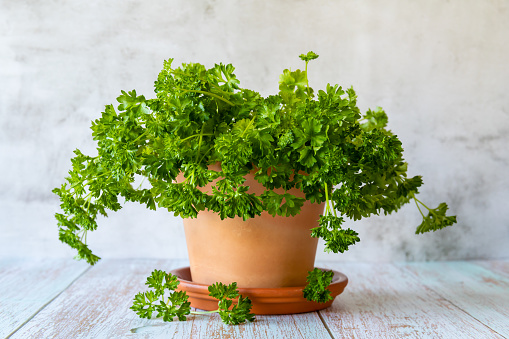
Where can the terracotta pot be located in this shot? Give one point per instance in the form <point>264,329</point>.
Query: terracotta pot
<point>262,252</point>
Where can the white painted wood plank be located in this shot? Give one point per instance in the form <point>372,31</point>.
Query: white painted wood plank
<point>383,301</point>
<point>497,266</point>
<point>306,325</point>
<point>97,305</point>
<point>478,291</point>
<point>26,285</point>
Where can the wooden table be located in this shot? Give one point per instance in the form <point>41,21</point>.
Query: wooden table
<point>67,299</point>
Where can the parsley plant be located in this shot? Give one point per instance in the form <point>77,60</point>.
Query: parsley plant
<point>318,143</point>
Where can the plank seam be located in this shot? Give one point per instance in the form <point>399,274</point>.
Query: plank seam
<point>325,324</point>
<point>409,272</point>
<point>46,304</point>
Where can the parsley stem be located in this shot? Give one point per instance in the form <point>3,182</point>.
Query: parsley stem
<point>204,312</point>
<point>208,93</point>
<point>204,154</point>
<point>199,144</point>
<point>140,136</point>
<point>327,207</point>
<point>196,135</point>
<point>142,181</point>
<point>416,204</point>
<point>90,180</point>
<point>417,200</point>
<point>307,81</point>
<point>249,125</point>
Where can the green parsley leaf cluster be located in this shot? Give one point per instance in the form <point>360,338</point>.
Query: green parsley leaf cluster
<point>200,118</point>
<point>174,304</point>
<point>317,287</point>
<point>231,315</point>
<point>171,303</point>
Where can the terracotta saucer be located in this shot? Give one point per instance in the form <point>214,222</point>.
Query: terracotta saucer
<point>284,300</point>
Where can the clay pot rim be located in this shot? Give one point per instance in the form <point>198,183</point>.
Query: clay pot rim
<point>336,287</point>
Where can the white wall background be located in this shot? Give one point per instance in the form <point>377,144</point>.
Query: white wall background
<point>439,68</point>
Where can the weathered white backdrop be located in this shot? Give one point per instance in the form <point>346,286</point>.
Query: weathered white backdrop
<point>439,68</point>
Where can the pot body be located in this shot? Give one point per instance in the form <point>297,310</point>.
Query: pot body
<point>261,252</point>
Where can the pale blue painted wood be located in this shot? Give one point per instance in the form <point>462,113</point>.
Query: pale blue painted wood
<point>498,266</point>
<point>383,301</point>
<point>422,300</point>
<point>479,292</point>
<point>97,306</point>
<point>26,286</point>
<point>306,325</point>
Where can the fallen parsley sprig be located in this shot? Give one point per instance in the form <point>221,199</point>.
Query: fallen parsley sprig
<point>174,304</point>
<point>237,314</point>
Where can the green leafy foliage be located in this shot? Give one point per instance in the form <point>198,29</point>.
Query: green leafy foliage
<point>309,56</point>
<point>174,304</point>
<point>318,283</point>
<point>202,129</point>
<point>231,315</point>
<point>436,219</point>
<point>336,238</point>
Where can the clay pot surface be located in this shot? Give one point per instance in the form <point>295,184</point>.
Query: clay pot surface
<point>261,252</point>
<point>284,300</point>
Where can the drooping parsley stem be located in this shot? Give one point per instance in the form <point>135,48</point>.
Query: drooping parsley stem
<point>141,183</point>
<point>418,201</point>
<point>327,207</point>
<point>416,204</point>
<point>88,181</point>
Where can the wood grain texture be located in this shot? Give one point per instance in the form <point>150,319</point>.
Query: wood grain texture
<point>478,291</point>
<point>421,300</point>
<point>497,266</point>
<point>306,325</point>
<point>28,285</point>
<point>384,301</point>
<point>97,306</point>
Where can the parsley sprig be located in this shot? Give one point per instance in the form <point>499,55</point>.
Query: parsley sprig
<point>174,304</point>
<point>318,283</point>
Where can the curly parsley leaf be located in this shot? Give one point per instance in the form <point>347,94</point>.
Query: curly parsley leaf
<point>309,56</point>
<point>436,218</point>
<point>336,238</point>
<point>318,283</point>
<point>173,305</point>
<point>240,312</point>
<point>374,119</point>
